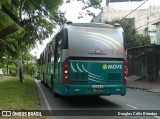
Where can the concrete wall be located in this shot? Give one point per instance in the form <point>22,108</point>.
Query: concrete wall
<point>143,18</point>
<point>158,33</point>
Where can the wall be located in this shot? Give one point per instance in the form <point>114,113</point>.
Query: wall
<point>146,65</point>
<point>140,16</point>
<point>158,33</point>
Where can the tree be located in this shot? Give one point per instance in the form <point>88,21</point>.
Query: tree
<point>8,28</point>
<point>37,19</point>
<point>96,4</point>
<point>131,36</point>
<point>29,63</point>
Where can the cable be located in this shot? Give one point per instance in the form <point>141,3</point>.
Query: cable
<point>133,10</point>
<point>147,23</point>
<point>148,16</point>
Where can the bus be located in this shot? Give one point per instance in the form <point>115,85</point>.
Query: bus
<point>85,59</point>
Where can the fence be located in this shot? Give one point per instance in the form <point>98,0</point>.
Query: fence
<point>147,64</point>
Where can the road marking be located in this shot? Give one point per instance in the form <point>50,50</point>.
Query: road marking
<point>157,117</point>
<point>44,97</point>
<point>132,106</point>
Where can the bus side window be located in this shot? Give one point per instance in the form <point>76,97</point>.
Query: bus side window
<point>59,47</point>
<point>52,54</point>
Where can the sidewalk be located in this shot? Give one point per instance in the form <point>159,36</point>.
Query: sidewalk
<point>137,83</point>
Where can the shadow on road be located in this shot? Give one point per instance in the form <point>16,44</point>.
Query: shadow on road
<point>78,102</point>
<point>87,102</point>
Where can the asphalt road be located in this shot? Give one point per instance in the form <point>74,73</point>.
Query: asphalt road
<point>134,100</point>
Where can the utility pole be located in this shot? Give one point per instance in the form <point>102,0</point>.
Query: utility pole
<point>147,22</point>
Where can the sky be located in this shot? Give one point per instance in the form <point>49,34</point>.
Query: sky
<point>74,9</point>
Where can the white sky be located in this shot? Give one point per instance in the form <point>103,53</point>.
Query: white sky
<point>72,12</point>
<point>75,7</point>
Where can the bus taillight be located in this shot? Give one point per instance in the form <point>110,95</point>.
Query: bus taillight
<point>125,72</point>
<point>66,71</point>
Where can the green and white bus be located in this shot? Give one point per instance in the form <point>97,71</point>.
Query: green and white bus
<point>85,59</point>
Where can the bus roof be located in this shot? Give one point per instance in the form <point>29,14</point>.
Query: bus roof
<point>85,39</point>
<point>98,25</point>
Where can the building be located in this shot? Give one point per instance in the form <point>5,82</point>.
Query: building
<point>141,19</point>
<point>157,32</point>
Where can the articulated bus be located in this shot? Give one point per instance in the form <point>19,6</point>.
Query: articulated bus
<point>85,59</point>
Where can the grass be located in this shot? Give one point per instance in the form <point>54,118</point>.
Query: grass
<point>3,78</point>
<point>17,96</point>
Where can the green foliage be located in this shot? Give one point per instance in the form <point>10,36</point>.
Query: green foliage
<point>15,96</point>
<point>10,64</point>
<point>9,29</point>
<point>37,26</point>
<point>133,39</point>
<point>23,23</point>
<point>95,3</point>
<point>30,68</point>
<point>13,70</point>
<point>29,64</point>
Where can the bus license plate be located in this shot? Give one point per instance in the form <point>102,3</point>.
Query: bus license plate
<point>97,89</point>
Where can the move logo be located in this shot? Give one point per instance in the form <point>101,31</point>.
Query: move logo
<point>111,66</point>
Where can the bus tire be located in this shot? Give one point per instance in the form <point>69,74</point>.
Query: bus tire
<point>45,84</point>
<point>43,79</point>
<point>52,82</point>
<point>56,94</point>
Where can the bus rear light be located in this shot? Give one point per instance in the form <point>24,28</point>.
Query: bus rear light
<point>125,80</point>
<point>125,72</point>
<point>65,77</point>
<point>66,71</point>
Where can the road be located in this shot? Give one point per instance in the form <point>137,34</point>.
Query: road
<point>134,100</point>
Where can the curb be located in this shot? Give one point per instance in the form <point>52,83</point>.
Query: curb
<point>142,89</point>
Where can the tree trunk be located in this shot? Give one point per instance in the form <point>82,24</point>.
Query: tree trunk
<point>20,67</point>
<point>7,65</point>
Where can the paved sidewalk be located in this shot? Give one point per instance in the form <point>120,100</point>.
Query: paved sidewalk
<point>137,83</point>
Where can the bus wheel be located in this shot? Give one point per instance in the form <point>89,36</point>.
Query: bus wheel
<point>45,84</point>
<point>55,94</point>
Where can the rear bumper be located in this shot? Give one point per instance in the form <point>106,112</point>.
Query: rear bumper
<point>78,90</point>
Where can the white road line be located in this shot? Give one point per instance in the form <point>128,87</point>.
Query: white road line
<point>157,117</point>
<point>45,99</point>
<point>132,106</point>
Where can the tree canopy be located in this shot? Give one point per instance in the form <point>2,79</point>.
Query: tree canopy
<point>28,20</point>
<point>131,36</point>
<point>23,23</point>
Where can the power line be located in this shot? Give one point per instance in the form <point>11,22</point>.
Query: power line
<point>148,16</point>
<point>133,10</point>
<point>147,23</point>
